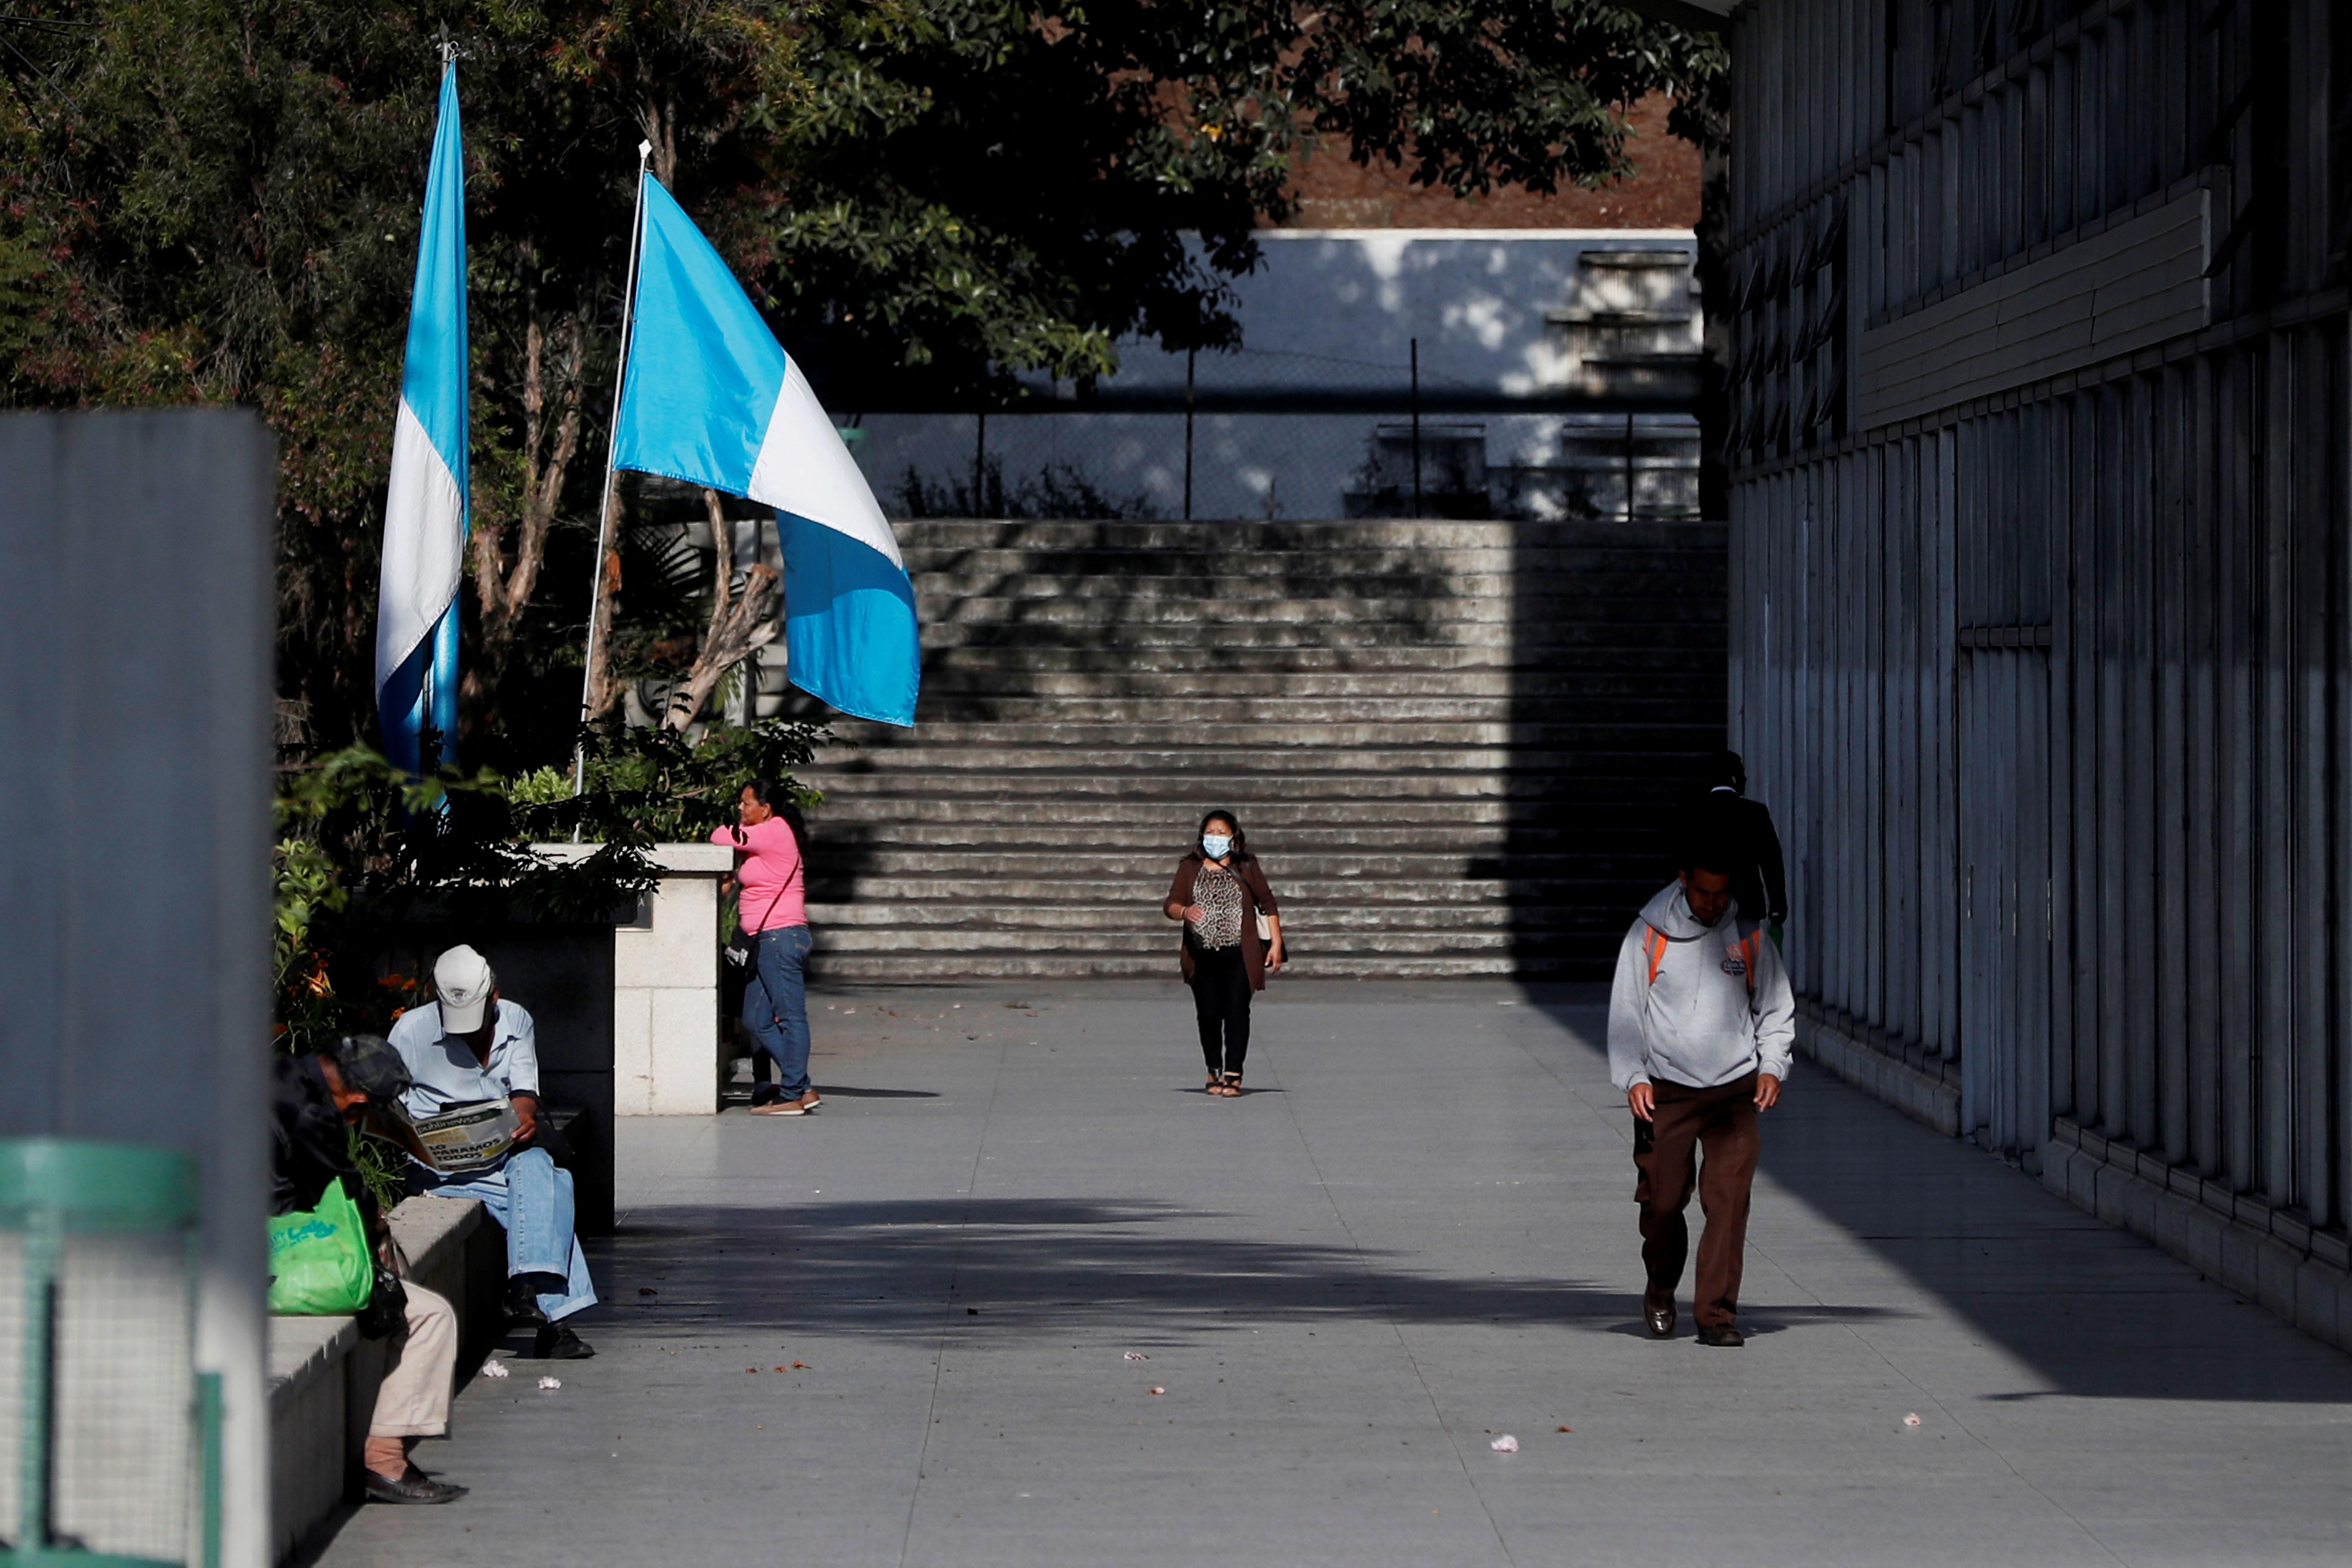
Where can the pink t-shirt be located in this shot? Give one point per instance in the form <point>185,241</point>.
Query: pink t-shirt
<point>774,892</point>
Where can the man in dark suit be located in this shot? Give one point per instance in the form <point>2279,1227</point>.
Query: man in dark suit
<point>1759,881</point>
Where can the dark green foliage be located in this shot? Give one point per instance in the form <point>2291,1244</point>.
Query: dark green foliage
<point>363,852</point>
<point>1057,490</point>
<point>218,200</point>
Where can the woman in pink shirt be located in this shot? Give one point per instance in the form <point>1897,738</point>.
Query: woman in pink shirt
<point>771,907</point>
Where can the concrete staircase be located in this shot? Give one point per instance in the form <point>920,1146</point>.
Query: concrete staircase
<point>1452,743</point>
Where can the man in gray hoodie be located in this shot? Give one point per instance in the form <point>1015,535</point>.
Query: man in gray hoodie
<point>1702,1025</point>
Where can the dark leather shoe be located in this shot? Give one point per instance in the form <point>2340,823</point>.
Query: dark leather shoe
<point>556,1342</point>
<point>1659,1314</point>
<point>415,1486</point>
<point>1728,1338</point>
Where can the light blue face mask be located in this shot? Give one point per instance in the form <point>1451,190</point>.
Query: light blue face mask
<point>1216,845</point>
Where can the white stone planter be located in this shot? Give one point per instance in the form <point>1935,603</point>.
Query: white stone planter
<point>665,1051</point>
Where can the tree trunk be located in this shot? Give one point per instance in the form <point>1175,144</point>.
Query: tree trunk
<point>740,627</point>
<point>504,584</point>
<point>604,688</point>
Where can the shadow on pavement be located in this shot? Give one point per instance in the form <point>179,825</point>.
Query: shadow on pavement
<point>907,1267</point>
<point>2095,1310</point>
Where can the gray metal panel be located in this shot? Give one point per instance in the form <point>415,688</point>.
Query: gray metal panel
<point>135,612</point>
<point>2131,285</point>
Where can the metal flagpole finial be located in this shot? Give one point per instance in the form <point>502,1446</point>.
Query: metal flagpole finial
<point>449,45</point>
<point>644,151</point>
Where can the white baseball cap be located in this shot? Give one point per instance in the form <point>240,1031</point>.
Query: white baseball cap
<point>463,981</point>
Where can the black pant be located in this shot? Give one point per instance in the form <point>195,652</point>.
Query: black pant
<point>1221,1002</point>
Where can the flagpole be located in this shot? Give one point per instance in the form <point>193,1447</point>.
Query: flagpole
<point>605,508</point>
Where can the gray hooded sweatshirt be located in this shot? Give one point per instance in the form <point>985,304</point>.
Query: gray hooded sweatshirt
<point>1698,1022</point>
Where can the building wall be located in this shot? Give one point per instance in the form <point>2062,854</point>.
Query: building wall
<point>2040,580</point>
<point>1529,343</point>
<point>1333,191</point>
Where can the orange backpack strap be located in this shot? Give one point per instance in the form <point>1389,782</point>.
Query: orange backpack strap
<point>1655,942</point>
<point>1748,957</point>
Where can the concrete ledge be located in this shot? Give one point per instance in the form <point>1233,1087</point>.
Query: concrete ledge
<point>1854,1052</point>
<point>2262,1254</point>
<point>309,1411</point>
<point>323,1375</point>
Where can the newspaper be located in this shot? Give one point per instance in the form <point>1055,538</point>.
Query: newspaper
<point>463,1138</point>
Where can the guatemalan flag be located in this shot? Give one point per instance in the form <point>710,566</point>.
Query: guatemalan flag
<point>426,512</point>
<point>708,396</point>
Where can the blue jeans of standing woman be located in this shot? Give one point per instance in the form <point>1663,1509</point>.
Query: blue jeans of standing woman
<point>775,1004</point>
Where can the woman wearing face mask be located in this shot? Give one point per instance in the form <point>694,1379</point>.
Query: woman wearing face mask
<point>1220,893</point>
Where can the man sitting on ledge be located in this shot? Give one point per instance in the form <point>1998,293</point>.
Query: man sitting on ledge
<point>470,1046</point>
<point>317,1100</point>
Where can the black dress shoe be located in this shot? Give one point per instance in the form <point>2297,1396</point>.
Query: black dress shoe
<point>523,1301</point>
<point>1728,1338</point>
<point>1660,1316</point>
<point>556,1342</point>
<point>415,1486</point>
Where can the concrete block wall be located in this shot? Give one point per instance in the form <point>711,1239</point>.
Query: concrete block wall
<point>1920,1087</point>
<point>323,1375</point>
<point>2261,1253</point>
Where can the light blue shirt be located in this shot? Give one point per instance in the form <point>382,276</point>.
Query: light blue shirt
<point>442,1066</point>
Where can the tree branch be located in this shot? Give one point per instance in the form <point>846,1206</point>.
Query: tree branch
<point>740,627</point>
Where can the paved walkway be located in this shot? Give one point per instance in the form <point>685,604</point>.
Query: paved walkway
<point>1418,1235</point>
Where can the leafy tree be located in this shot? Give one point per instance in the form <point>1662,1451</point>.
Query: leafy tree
<point>364,850</point>
<point>217,200</point>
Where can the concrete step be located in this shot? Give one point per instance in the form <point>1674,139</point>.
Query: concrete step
<point>1598,587</point>
<point>1453,742</point>
<point>1201,557</point>
<point>896,968</point>
<point>990,939</point>
<point>1312,537</point>
<point>1610,779</point>
<point>1524,688</point>
<point>1616,751</point>
<point>1048,834</point>
<point>1145,887</point>
<point>1291,711</point>
<point>1057,817</point>
<point>1526,639</point>
<point>1661,607</point>
<point>1301,729</point>
<point>1319,925</point>
<point>1027,861</point>
<point>1012,660</point>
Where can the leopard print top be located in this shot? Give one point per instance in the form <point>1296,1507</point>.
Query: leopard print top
<point>1218,893</point>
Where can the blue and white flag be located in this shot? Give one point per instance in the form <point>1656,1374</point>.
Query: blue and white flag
<point>708,396</point>
<point>426,510</point>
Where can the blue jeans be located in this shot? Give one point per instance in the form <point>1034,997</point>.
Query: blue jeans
<point>775,1004</point>
<point>532,1198</point>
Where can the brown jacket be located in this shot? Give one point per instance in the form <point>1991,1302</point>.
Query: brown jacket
<point>1257,899</point>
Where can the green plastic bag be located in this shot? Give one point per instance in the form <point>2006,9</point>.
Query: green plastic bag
<point>318,1262</point>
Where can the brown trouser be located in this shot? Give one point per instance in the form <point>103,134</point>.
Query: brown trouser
<point>1722,1120</point>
